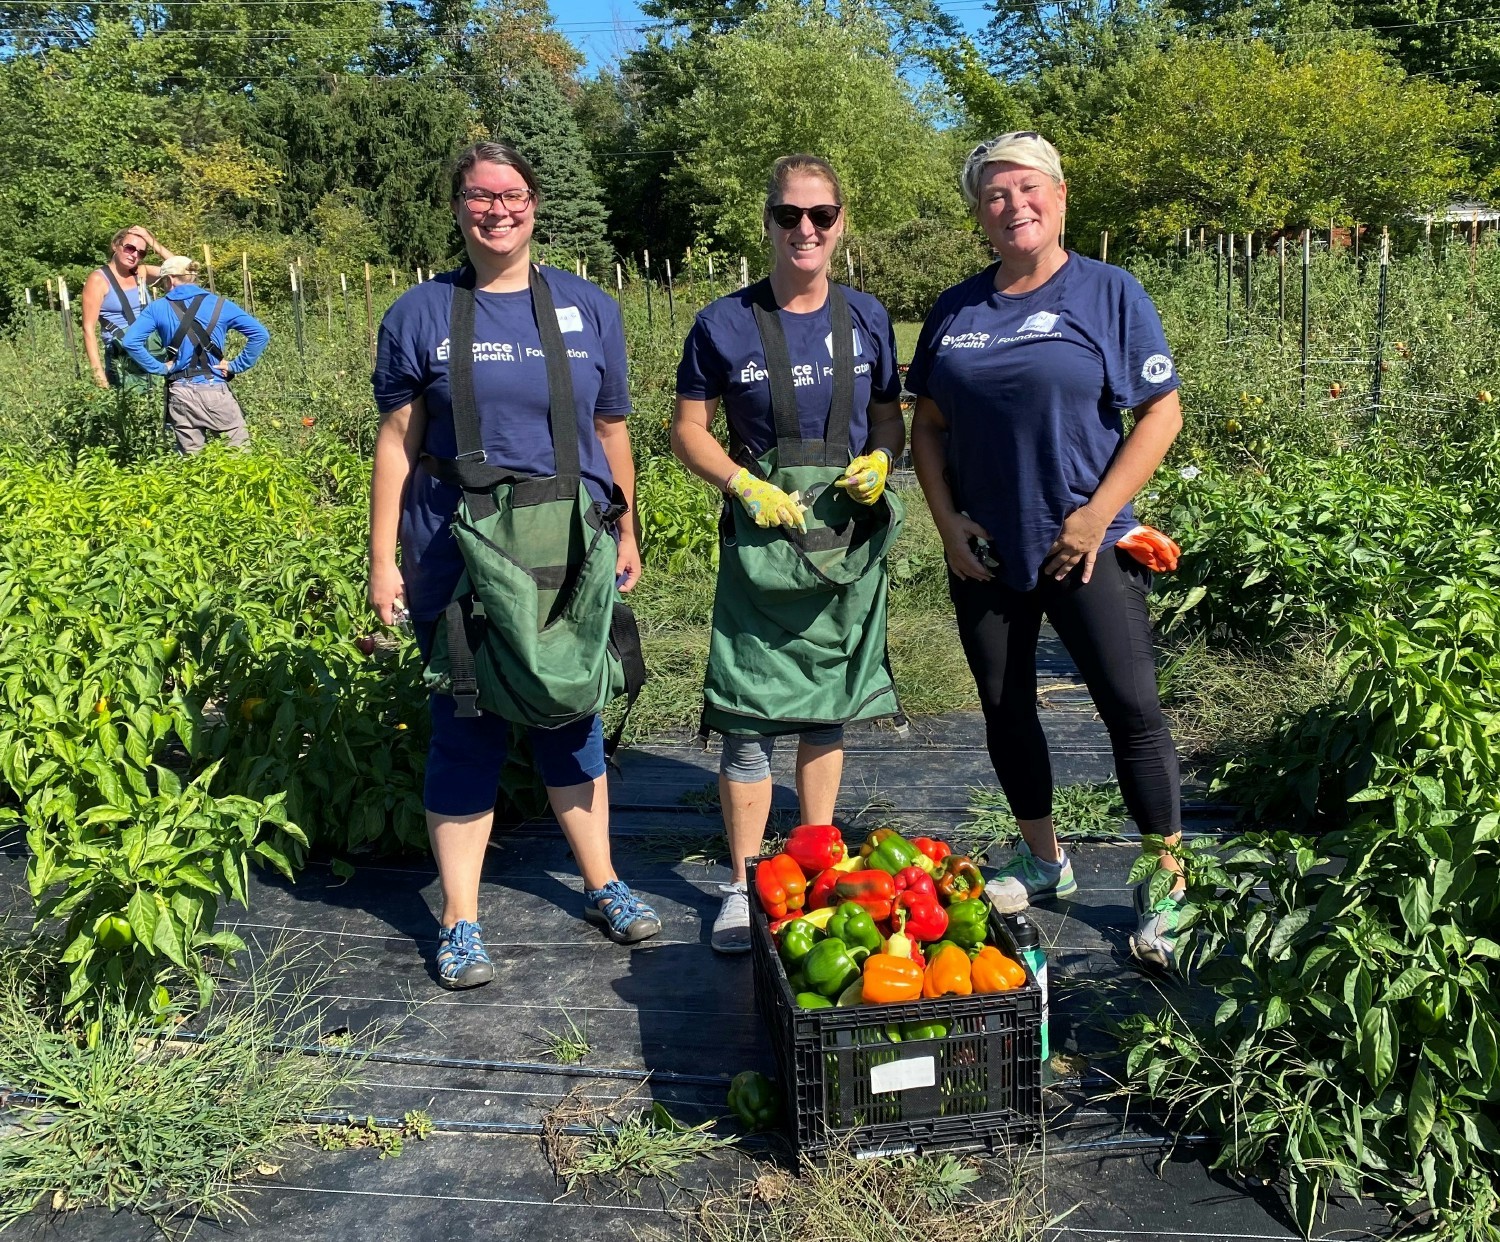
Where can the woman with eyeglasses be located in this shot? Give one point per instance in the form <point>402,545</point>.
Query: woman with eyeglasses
<point>113,296</point>
<point>1022,373</point>
<point>805,370</point>
<point>431,402</point>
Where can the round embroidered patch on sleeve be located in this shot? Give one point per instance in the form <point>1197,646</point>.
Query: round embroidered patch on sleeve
<point>1156,368</point>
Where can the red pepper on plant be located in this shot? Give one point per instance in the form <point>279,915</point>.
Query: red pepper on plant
<point>933,848</point>
<point>816,847</point>
<point>781,885</point>
<point>874,890</point>
<point>925,917</point>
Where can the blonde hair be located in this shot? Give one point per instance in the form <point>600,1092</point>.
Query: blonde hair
<point>789,166</point>
<point>1024,147</point>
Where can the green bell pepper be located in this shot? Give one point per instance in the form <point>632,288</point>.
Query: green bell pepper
<point>852,924</point>
<point>796,941</point>
<point>812,1000</point>
<point>886,850</point>
<point>968,923</point>
<point>830,967</point>
<point>753,1098</point>
<point>906,1032</point>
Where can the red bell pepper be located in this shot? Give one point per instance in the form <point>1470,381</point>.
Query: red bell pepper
<point>820,891</point>
<point>934,849</point>
<point>781,885</point>
<point>914,880</point>
<point>874,890</point>
<point>816,847</point>
<point>925,917</point>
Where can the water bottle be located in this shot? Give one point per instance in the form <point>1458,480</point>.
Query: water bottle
<point>1024,932</point>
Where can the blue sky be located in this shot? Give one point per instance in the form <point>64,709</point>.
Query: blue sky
<point>605,29</point>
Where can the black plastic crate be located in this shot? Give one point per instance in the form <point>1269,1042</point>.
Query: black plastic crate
<point>846,1083</point>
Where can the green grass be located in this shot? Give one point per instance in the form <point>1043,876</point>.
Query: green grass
<point>906,340</point>
<point>124,1113</point>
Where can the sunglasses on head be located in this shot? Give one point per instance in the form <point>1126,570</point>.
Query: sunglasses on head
<point>823,216</point>
<point>985,147</point>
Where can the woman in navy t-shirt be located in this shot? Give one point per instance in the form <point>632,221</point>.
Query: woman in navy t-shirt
<point>1021,374</point>
<point>723,362</point>
<point>495,201</point>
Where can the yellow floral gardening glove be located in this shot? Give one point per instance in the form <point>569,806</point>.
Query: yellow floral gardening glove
<point>864,480</point>
<point>767,503</point>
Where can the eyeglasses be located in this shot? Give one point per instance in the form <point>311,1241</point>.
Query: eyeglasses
<point>823,216</point>
<point>481,202</point>
<point>129,249</point>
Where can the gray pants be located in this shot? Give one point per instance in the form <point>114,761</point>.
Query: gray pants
<point>747,760</point>
<point>195,409</point>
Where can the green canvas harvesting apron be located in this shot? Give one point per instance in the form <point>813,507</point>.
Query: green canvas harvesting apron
<point>799,619</point>
<point>536,632</point>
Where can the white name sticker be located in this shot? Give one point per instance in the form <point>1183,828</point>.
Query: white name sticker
<point>903,1075</point>
<point>568,319</point>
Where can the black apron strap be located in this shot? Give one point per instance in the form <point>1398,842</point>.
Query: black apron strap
<point>625,642</point>
<point>126,308</point>
<point>205,353</point>
<point>778,363</point>
<point>841,405</point>
<point>562,415</point>
<point>465,685</point>
<point>461,369</point>
<point>833,449</point>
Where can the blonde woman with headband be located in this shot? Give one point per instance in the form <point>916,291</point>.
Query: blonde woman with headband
<point>1022,373</point>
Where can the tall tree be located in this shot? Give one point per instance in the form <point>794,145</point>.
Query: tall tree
<point>531,112</point>
<point>801,78</point>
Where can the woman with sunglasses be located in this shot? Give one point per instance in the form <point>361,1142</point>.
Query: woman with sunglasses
<point>505,393</point>
<point>1021,375</point>
<point>112,298</point>
<point>805,370</point>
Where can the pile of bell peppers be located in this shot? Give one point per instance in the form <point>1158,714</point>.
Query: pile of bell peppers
<point>891,921</point>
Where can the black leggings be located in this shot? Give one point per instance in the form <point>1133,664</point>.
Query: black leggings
<point>1107,630</point>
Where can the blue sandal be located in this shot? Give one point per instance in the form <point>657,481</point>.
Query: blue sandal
<point>625,917</point>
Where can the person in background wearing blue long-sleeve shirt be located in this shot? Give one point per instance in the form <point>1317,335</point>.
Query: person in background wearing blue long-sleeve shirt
<point>195,323</point>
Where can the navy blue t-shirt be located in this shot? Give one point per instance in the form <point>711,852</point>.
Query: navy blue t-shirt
<point>722,358</point>
<point>1031,386</point>
<point>510,390</point>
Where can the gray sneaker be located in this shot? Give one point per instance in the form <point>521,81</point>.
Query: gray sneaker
<point>1026,878</point>
<point>731,932</point>
<point>1154,940</point>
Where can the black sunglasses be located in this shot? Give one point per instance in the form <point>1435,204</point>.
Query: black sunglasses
<point>823,216</point>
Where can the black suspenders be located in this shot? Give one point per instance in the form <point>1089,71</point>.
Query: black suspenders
<point>791,448</point>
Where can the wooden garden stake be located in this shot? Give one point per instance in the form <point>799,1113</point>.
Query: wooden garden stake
<point>208,267</point>
<point>370,314</point>
<point>1306,285</point>
<point>1385,267</point>
<point>65,308</point>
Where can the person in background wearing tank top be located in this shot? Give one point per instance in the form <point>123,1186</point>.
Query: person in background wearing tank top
<point>112,297</point>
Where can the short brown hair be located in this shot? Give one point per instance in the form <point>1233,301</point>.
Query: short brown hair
<point>789,166</point>
<point>122,235</point>
<point>501,153</point>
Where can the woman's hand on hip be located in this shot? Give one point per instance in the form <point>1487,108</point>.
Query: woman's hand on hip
<point>957,532</point>
<point>1078,543</point>
<point>386,591</point>
<point>627,563</point>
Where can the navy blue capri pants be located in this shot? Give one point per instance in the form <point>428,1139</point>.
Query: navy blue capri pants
<point>466,755</point>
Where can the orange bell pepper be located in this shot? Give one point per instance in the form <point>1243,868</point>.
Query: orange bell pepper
<point>781,885</point>
<point>992,971</point>
<point>948,974</point>
<point>890,979</point>
<point>1151,548</point>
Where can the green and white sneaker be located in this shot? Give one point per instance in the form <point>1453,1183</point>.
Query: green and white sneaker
<point>1154,941</point>
<point>1027,878</point>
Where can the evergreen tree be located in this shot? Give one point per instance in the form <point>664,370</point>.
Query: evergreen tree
<point>533,116</point>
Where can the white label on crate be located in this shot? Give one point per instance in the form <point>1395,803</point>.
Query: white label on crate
<point>903,1075</point>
